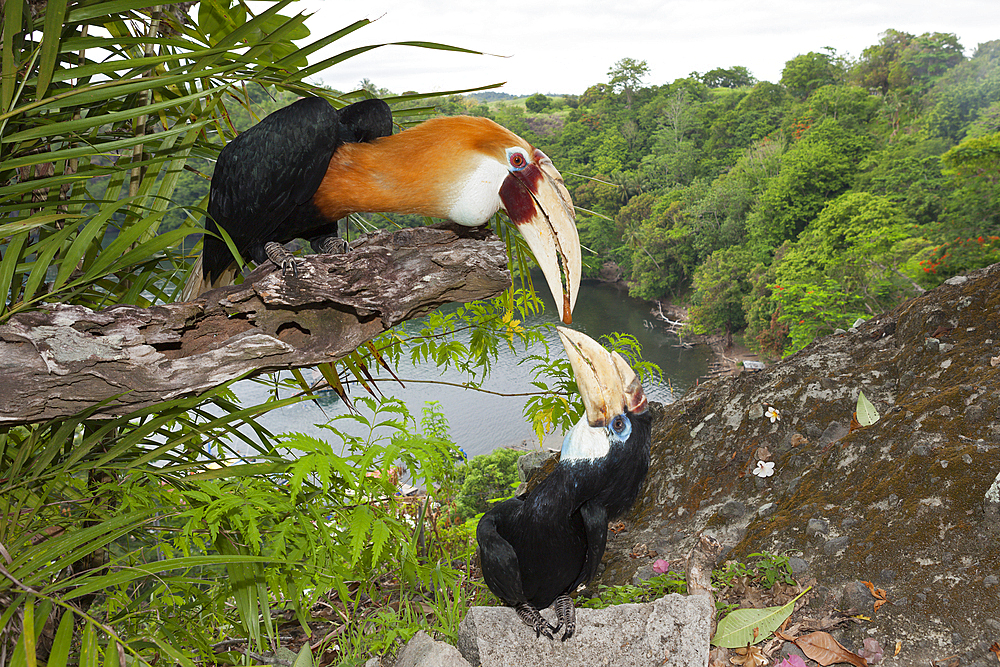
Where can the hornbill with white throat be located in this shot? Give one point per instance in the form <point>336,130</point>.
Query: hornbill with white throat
<point>538,549</point>
<point>302,168</point>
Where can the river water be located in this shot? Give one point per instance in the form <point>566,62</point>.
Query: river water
<point>480,422</point>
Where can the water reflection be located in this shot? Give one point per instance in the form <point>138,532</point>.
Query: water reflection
<point>482,422</point>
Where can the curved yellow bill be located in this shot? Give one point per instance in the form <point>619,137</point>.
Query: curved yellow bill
<point>608,385</point>
<point>548,225</point>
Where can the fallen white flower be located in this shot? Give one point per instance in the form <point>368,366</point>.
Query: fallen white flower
<point>764,468</point>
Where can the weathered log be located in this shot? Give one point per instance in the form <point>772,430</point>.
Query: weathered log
<point>59,361</point>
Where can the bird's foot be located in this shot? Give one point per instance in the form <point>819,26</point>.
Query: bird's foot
<point>566,613</point>
<point>534,620</point>
<point>281,257</point>
<point>329,245</point>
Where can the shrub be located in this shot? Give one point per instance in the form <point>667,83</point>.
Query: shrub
<point>487,477</point>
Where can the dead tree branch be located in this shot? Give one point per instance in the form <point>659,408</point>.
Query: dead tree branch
<point>57,362</point>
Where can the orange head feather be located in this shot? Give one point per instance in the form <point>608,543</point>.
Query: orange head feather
<point>423,170</point>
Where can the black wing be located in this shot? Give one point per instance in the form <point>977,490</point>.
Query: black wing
<point>595,523</point>
<point>266,177</point>
<point>497,557</point>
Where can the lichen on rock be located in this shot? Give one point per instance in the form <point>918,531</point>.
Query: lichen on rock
<point>905,501</point>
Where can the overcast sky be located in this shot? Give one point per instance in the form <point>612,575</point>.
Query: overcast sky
<point>563,46</point>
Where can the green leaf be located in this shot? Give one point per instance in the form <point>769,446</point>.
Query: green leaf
<point>63,641</point>
<point>360,523</point>
<point>11,26</point>
<point>304,658</point>
<point>866,412</point>
<point>55,10</point>
<point>111,653</point>
<point>380,535</point>
<point>750,626</point>
<point>89,653</point>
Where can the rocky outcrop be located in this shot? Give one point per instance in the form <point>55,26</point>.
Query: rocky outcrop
<point>669,632</point>
<point>904,503</point>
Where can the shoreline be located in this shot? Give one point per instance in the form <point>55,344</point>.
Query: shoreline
<point>727,361</point>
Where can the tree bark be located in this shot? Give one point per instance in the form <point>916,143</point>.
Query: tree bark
<point>57,362</point>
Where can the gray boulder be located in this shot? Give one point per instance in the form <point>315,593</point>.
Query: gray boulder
<point>422,651</point>
<point>672,631</point>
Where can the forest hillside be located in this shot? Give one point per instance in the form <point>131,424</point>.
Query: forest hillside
<point>786,209</point>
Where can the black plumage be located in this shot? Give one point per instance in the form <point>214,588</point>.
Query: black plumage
<point>538,549</point>
<point>266,177</point>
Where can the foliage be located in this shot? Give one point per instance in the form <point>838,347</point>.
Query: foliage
<point>626,75</point>
<point>719,285</point>
<point>805,73</point>
<point>974,166</point>
<point>487,477</point>
<point>734,77</point>
<point>767,569</point>
<point>755,117</point>
<point>162,532</point>
<point>961,255</point>
<point>814,309</point>
<point>744,627</point>
<point>538,103</point>
<point>814,170</point>
<point>647,591</point>
<point>876,64</point>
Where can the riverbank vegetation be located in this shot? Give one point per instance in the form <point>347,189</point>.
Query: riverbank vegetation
<point>190,533</point>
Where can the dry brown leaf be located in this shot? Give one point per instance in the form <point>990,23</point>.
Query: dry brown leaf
<point>749,656</point>
<point>940,331</point>
<point>854,423</point>
<point>824,649</point>
<point>996,649</point>
<point>899,647</point>
<point>950,661</point>
<point>763,453</point>
<point>717,657</point>
<point>878,594</point>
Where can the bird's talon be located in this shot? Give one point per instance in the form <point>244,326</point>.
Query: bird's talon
<point>330,245</point>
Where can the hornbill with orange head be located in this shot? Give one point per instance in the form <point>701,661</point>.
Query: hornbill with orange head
<point>302,168</point>
<point>538,549</point>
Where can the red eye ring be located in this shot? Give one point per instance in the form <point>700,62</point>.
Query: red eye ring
<point>517,160</point>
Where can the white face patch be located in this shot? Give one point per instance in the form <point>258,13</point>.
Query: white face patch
<point>478,194</point>
<point>585,442</point>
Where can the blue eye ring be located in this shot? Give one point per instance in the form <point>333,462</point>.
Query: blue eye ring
<point>620,426</point>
